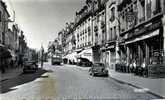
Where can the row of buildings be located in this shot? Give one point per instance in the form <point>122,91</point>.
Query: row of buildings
<point>13,44</point>
<point>117,32</point>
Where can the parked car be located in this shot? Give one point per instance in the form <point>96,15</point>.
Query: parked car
<point>30,66</point>
<point>98,69</point>
<point>84,62</point>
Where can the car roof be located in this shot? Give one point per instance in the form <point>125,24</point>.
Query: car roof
<point>98,63</point>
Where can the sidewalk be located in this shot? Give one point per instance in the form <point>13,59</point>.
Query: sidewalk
<point>156,86</point>
<point>10,73</point>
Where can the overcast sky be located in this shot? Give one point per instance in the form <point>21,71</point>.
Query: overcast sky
<point>41,20</point>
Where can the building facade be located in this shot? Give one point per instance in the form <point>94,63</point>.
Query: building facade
<point>83,35</point>
<point>119,32</point>
<point>141,29</point>
<point>4,16</point>
<point>112,34</point>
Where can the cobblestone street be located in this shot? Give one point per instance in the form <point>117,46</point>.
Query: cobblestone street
<point>69,82</point>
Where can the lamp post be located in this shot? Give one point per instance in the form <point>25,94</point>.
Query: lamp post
<point>42,53</point>
<point>117,41</point>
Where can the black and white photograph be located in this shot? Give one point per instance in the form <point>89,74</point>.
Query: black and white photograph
<point>82,49</point>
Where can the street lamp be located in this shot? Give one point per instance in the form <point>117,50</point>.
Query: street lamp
<point>42,53</point>
<point>117,41</point>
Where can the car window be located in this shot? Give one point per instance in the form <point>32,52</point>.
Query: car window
<point>99,65</point>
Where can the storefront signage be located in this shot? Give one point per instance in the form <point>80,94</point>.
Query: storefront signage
<point>146,29</point>
<point>154,26</point>
<point>87,54</point>
<point>140,31</point>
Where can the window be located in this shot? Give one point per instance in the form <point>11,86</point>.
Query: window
<point>112,14</point>
<point>0,16</point>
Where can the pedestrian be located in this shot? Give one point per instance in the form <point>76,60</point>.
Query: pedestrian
<point>131,66</point>
<point>144,68</point>
<point>20,62</point>
<point>134,67</point>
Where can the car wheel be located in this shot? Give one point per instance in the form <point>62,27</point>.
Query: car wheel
<point>106,75</point>
<point>92,74</point>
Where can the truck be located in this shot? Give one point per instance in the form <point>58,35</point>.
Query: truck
<point>56,57</point>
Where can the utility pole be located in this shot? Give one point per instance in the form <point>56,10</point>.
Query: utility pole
<point>42,52</point>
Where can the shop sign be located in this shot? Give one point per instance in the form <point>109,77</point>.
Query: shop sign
<point>87,54</point>
<point>149,28</point>
<point>140,31</point>
<point>154,26</point>
<point>111,47</point>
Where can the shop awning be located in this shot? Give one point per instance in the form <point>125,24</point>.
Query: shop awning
<point>152,34</point>
<point>85,54</point>
<point>71,56</point>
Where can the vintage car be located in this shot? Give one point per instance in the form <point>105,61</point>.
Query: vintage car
<point>30,66</point>
<point>98,69</point>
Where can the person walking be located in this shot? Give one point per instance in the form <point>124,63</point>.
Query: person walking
<point>134,67</point>
<point>131,66</point>
<point>144,68</point>
<point>20,62</point>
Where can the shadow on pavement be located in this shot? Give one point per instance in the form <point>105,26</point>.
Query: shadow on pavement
<point>20,80</point>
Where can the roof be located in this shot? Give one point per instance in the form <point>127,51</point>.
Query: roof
<point>5,7</point>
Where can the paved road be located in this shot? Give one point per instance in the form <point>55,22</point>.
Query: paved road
<point>67,82</point>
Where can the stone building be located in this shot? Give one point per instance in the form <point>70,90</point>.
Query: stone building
<point>141,29</point>
<point>110,51</point>
<point>83,33</point>
<point>4,17</point>
<point>90,30</point>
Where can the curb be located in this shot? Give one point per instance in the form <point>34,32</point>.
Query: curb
<point>10,78</point>
<point>130,84</point>
<point>5,79</point>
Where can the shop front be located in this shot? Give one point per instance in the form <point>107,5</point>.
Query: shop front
<point>86,53</point>
<point>145,53</point>
<point>70,58</point>
<point>111,56</point>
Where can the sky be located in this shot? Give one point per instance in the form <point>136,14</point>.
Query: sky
<point>41,20</point>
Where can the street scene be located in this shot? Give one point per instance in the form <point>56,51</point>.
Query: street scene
<point>82,49</point>
<point>68,82</point>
